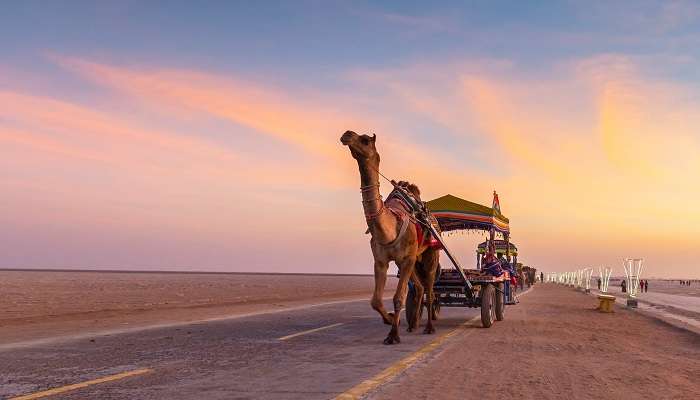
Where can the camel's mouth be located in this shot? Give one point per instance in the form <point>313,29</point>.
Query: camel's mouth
<point>346,138</point>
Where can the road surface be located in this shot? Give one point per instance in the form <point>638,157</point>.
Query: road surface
<point>553,345</point>
<point>317,352</point>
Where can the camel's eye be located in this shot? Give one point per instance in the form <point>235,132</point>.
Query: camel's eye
<point>364,140</point>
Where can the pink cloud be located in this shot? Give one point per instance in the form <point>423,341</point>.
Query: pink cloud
<point>285,116</point>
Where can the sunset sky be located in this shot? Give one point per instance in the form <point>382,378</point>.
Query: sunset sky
<point>146,135</point>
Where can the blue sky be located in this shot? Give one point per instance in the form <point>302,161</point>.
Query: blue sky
<point>247,35</point>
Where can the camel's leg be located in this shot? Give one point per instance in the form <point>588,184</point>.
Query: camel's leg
<point>426,270</point>
<point>380,270</point>
<point>406,266</point>
<point>414,319</point>
<point>430,266</point>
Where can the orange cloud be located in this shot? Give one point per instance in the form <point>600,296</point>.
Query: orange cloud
<point>285,116</point>
<point>72,130</point>
<point>497,117</point>
<point>600,155</point>
<point>308,123</point>
<point>70,118</point>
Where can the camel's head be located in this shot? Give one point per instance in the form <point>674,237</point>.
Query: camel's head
<point>361,146</point>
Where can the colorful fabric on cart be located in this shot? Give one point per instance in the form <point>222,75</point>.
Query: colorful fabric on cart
<point>508,267</point>
<point>493,268</point>
<point>428,239</point>
<point>398,207</point>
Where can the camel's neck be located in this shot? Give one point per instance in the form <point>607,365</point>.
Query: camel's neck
<point>369,174</point>
<point>382,224</point>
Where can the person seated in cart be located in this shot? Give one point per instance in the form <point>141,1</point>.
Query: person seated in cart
<point>491,264</point>
<point>508,266</point>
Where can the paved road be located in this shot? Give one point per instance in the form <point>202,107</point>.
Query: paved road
<point>233,359</point>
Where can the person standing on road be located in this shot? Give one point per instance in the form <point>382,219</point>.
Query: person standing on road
<point>623,285</point>
<point>598,283</point>
<point>646,285</point>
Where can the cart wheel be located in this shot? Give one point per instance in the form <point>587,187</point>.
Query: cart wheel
<point>500,302</point>
<point>410,303</point>
<point>487,306</point>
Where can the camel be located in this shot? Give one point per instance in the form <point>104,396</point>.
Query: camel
<point>394,238</point>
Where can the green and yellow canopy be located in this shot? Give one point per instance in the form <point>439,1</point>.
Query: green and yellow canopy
<point>500,248</point>
<point>453,213</point>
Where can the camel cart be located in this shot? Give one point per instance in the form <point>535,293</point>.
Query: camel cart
<point>529,274</point>
<point>461,287</point>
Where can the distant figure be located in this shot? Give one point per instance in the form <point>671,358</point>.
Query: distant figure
<point>623,285</point>
<point>541,277</point>
<point>641,286</point>
<point>599,282</point>
<point>646,285</point>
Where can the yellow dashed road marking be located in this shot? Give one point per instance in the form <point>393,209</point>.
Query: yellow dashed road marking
<point>398,367</point>
<point>81,385</point>
<point>392,371</point>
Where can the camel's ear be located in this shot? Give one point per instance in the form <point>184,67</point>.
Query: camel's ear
<point>374,137</point>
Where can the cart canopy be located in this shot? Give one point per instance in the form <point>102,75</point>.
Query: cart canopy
<point>453,213</point>
<point>500,248</point>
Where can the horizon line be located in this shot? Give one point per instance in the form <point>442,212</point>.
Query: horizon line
<point>162,271</point>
